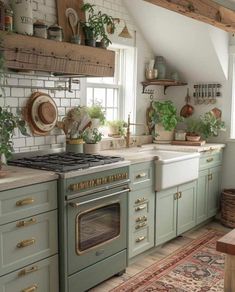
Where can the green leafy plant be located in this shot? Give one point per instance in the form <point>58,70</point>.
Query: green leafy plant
<point>8,123</point>
<point>96,112</point>
<point>117,127</point>
<point>210,125</point>
<point>94,26</point>
<point>92,136</point>
<point>165,113</point>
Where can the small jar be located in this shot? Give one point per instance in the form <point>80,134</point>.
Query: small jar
<point>55,32</point>
<point>8,19</point>
<point>160,65</point>
<point>40,29</point>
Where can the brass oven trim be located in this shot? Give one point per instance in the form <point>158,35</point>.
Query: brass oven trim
<point>78,252</point>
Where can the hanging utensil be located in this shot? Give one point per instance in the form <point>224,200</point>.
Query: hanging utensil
<point>187,110</point>
<point>72,17</point>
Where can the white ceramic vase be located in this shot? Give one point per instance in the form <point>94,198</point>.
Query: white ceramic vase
<point>92,148</point>
<point>23,16</point>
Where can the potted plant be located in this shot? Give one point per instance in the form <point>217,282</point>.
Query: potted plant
<point>73,125</point>
<point>210,125</point>
<point>8,123</point>
<point>97,115</point>
<point>116,128</point>
<point>193,129</point>
<point>165,118</point>
<point>92,137</point>
<point>94,26</point>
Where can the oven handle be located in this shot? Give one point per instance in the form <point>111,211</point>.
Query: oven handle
<point>76,205</point>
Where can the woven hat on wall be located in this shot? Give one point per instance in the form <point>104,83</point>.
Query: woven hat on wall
<point>41,113</point>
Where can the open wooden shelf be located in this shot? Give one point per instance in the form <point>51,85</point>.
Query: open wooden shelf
<point>27,53</point>
<point>164,82</point>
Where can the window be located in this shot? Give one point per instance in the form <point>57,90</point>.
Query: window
<point>115,94</point>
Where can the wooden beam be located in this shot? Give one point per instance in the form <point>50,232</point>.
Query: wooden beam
<point>30,53</point>
<point>203,10</point>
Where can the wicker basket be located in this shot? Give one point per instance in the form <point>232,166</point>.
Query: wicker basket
<point>228,208</point>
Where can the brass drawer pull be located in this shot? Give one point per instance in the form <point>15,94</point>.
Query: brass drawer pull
<point>140,200</point>
<point>139,239</point>
<point>141,175</point>
<point>27,271</point>
<point>31,288</point>
<point>26,223</point>
<point>140,208</point>
<point>176,196</point>
<point>210,159</point>
<point>24,202</point>
<point>210,176</point>
<point>179,195</point>
<point>141,219</point>
<point>26,242</point>
<point>141,225</point>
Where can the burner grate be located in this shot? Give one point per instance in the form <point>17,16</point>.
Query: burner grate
<point>64,162</point>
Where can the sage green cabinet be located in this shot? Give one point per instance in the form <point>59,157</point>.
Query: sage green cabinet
<point>208,185</point>
<point>141,203</point>
<point>29,238</point>
<point>175,211</point>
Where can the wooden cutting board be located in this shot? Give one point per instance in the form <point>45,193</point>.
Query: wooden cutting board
<point>188,143</point>
<point>62,5</point>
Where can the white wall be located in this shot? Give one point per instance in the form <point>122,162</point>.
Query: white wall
<point>18,91</point>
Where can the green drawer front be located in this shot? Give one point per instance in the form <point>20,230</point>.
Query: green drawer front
<point>141,175</point>
<point>28,240</point>
<point>42,275</point>
<point>27,201</point>
<point>140,241</point>
<point>210,159</point>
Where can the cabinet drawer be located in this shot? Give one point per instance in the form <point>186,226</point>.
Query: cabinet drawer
<point>210,160</point>
<point>141,175</point>
<point>140,241</point>
<point>40,277</point>
<point>28,240</point>
<point>27,201</point>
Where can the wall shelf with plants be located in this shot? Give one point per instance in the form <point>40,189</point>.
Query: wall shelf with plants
<point>27,53</point>
<point>166,83</point>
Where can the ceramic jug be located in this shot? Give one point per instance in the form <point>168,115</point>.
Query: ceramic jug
<point>23,16</point>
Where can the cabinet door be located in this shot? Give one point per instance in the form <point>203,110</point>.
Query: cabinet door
<point>202,196</point>
<point>213,190</point>
<point>166,215</point>
<point>186,207</point>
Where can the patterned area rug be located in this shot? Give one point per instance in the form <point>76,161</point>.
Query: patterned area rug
<point>196,267</point>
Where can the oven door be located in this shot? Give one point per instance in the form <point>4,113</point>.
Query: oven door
<point>96,227</point>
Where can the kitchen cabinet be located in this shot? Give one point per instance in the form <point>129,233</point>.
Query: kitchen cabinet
<point>208,185</point>
<point>29,238</point>
<point>141,208</point>
<point>175,211</point>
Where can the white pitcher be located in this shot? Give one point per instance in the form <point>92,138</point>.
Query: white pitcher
<point>23,16</point>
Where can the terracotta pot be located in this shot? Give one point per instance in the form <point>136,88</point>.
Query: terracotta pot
<point>92,148</point>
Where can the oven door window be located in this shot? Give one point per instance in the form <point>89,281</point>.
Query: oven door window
<point>97,226</point>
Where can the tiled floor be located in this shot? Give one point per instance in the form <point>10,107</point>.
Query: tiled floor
<point>157,254</point>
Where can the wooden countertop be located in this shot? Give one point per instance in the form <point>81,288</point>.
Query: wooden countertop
<point>19,176</point>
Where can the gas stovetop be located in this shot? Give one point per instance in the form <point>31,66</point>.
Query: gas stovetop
<point>64,162</point>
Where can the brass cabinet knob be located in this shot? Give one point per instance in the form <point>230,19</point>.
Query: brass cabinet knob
<point>140,208</point>
<point>24,223</point>
<point>140,200</point>
<point>141,225</point>
<point>141,175</point>
<point>27,271</point>
<point>141,219</point>
<point>31,288</point>
<point>26,242</point>
<point>27,201</point>
<point>139,239</point>
<point>210,159</point>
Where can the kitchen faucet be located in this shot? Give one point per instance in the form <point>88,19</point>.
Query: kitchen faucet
<point>128,133</point>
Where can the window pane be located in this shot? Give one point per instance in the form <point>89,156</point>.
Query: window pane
<point>115,99</point>
<point>109,114</point>
<point>99,96</point>
<point>115,114</point>
<point>110,93</point>
<point>89,94</point>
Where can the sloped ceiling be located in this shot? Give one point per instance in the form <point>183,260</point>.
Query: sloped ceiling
<point>198,51</point>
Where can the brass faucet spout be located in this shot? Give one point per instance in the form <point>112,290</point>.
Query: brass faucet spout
<point>128,133</point>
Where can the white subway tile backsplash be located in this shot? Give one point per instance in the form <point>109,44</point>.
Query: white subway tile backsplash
<point>19,91</point>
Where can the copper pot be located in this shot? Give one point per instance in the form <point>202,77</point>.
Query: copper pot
<point>187,110</point>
